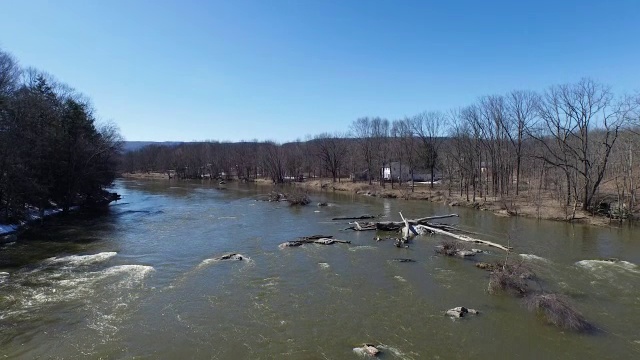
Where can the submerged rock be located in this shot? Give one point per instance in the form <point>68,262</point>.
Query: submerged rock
<point>404,260</point>
<point>460,311</point>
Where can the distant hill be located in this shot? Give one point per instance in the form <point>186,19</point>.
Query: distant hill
<point>135,145</point>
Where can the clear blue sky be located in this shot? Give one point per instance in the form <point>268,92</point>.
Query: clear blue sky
<point>280,70</point>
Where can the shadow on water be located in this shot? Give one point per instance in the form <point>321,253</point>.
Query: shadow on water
<point>76,232</point>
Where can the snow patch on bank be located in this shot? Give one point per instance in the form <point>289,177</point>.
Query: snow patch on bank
<point>33,214</point>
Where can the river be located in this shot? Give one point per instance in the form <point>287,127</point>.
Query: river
<point>141,282</point>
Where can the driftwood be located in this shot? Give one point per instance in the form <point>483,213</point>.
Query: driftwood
<point>395,225</point>
<point>313,239</point>
<point>463,237</point>
<point>330,241</point>
<point>407,230</point>
<point>363,217</point>
<point>364,227</point>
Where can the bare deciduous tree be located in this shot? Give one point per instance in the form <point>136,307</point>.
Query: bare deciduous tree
<point>521,106</point>
<point>429,127</point>
<point>580,125</point>
<point>331,150</point>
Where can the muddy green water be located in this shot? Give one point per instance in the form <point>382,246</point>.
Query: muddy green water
<point>140,282</point>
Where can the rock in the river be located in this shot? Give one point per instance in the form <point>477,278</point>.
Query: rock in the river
<point>465,253</point>
<point>404,260</point>
<point>367,349</point>
<point>460,311</point>
<point>400,243</point>
<point>232,256</point>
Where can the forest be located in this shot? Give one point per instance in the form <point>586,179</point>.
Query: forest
<point>54,154</point>
<point>577,144</point>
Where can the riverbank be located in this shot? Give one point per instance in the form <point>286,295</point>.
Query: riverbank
<point>537,206</point>
<point>8,231</point>
<point>542,208</point>
<point>145,175</point>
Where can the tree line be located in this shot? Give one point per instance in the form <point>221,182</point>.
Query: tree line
<point>53,152</point>
<point>568,142</point>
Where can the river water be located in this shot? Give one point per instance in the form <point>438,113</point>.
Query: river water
<point>141,282</point>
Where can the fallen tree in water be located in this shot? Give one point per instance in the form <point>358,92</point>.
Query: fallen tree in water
<point>313,239</point>
<point>362,217</point>
<point>462,237</point>
<point>395,225</point>
<point>422,226</point>
<point>410,230</point>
